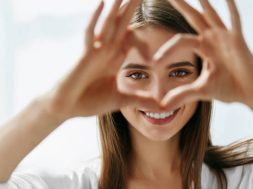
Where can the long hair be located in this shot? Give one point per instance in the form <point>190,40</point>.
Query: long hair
<point>195,140</point>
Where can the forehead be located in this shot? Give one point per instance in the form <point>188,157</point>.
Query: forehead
<point>155,37</point>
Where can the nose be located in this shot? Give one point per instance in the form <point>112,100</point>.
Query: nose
<point>159,89</point>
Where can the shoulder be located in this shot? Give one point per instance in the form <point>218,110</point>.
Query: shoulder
<point>89,171</point>
<point>239,177</point>
<point>82,175</point>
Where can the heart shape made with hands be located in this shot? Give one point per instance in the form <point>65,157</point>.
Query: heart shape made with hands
<point>174,67</point>
<point>210,84</point>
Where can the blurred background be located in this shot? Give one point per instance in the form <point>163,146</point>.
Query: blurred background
<point>41,40</point>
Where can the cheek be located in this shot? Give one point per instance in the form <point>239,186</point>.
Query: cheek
<point>134,119</point>
<point>130,114</point>
<point>189,111</point>
<point>141,128</point>
<point>126,84</point>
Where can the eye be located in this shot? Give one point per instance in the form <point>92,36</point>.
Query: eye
<point>180,73</point>
<point>138,75</point>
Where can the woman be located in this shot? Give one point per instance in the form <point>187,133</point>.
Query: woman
<point>155,78</point>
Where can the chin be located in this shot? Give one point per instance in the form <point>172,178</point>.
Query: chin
<point>156,137</point>
<point>161,134</point>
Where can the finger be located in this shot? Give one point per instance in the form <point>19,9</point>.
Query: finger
<point>179,42</point>
<point>89,39</point>
<point>123,8</point>
<point>193,16</point>
<point>235,16</point>
<point>182,95</point>
<point>125,19</point>
<point>86,72</point>
<point>141,46</point>
<point>140,100</point>
<point>115,64</point>
<point>108,27</point>
<point>123,88</point>
<point>211,15</point>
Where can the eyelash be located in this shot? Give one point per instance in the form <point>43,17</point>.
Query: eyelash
<point>138,73</point>
<point>186,73</point>
<point>176,73</point>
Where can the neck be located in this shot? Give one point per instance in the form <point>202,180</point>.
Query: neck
<point>154,159</point>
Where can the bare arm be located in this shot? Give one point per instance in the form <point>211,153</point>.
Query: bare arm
<point>89,89</point>
<point>21,134</point>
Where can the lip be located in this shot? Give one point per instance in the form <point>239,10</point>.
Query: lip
<point>160,121</point>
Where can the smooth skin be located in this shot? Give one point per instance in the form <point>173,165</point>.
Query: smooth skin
<point>155,160</point>
<point>228,62</point>
<point>91,88</point>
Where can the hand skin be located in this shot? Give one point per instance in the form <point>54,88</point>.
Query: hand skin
<point>89,89</point>
<point>227,61</point>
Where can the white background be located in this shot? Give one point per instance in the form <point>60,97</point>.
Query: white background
<point>41,39</point>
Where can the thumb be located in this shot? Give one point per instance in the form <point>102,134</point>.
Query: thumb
<point>142,100</point>
<point>182,95</point>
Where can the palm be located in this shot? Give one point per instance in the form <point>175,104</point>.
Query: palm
<point>228,63</point>
<point>106,98</point>
<point>90,88</point>
<point>227,51</point>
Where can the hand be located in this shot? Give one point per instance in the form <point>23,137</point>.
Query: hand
<point>227,61</point>
<point>90,88</point>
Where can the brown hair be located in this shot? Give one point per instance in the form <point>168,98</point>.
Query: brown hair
<point>195,140</point>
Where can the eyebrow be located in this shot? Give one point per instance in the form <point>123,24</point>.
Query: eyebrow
<point>143,67</point>
<point>180,64</point>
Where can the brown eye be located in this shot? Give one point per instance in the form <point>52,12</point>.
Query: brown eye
<point>138,76</point>
<point>180,73</point>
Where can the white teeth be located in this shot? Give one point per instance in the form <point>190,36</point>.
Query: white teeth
<point>159,115</point>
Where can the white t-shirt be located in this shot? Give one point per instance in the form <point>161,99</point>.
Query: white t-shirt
<point>87,177</point>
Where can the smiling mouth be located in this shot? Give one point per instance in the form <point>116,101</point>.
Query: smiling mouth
<point>160,118</point>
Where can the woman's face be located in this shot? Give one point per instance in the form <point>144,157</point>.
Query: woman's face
<point>157,80</point>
